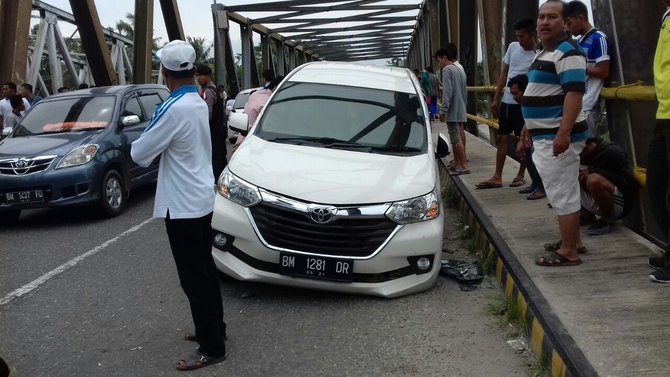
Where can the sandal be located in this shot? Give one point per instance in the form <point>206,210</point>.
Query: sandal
<point>527,190</point>
<point>197,361</point>
<point>488,185</point>
<point>554,259</point>
<point>554,246</point>
<point>537,194</point>
<point>458,171</point>
<point>517,181</point>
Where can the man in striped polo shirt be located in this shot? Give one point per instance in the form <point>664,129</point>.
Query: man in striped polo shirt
<point>552,108</point>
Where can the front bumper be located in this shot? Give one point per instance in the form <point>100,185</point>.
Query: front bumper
<point>388,273</point>
<point>77,185</point>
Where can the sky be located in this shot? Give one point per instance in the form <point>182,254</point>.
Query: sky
<point>195,14</point>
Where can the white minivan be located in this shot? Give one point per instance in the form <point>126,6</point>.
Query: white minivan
<point>336,187</point>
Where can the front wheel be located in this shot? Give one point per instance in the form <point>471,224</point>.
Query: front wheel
<point>112,200</point>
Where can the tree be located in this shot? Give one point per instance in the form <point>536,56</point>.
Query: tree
<point>200,51</point>
<point>397,62</point>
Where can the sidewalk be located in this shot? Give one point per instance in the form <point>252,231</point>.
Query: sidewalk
<point>601,318</point>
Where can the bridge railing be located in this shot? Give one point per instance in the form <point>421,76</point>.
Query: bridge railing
<point>630,92</point>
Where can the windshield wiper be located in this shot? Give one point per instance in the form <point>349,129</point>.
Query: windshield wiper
<point>395,148</point>
<point>326,141</point>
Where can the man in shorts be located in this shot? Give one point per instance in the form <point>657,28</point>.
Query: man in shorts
<point>453,110</point>
<point>552,108</point>
<point>517,60</point>
<point>608,186</point>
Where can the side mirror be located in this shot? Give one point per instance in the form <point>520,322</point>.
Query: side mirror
<point>229,104</point>
<point>442,147</point>
<point>130,120</point>
<point>6,131</point>
<point>238,122</point>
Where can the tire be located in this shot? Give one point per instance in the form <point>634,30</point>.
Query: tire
<point>112,194</point>
<point>10,217</point>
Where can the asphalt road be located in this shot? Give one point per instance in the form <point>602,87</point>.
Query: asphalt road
<point>83,296</point>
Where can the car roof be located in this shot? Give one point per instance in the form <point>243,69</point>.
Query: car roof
<point>115,90</point>
<point>358,75</point>
<point>245,91</point>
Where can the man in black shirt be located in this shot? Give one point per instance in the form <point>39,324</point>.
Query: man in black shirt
<point>217,118</point>
<point>608,186</point>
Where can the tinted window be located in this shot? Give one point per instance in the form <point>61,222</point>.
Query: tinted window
<point>67,115</point>
<point>150,102</point>
<point>132,108</point>
<point>386,120</point>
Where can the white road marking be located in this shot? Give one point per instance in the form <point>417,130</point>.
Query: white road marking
<point>67,265</point>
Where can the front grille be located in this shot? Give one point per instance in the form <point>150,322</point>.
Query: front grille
<point>291,229</point>
<point>25,166</point>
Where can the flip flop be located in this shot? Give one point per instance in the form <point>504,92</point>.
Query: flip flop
<point>197,361</point>
<point>488,185</point>
<point>535,195</point>
<point>517,181</point>
<point>527,190</point>
<point>458,171</point>
<point>554,259</point>
<point>554,246</point>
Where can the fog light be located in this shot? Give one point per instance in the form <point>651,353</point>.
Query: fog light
<point>220,240</point>
<point>423,263</point>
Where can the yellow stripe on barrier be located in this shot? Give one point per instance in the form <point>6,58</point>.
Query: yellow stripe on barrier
<point>536,336</point>
<point>558,368</point>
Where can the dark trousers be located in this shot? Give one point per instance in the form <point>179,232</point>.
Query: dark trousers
<point>192,251</point>
<point>658,179</point>
<point>532,171</point>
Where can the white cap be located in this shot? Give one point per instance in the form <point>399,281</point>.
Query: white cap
<point>177,55</point>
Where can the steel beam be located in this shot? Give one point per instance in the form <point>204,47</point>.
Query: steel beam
<point>172,20</point>
<point>491,30</point>
<point>467,49</point>
<point>281,58</point>
<point>515,11</point>
<point>14,29</point>
<point>93,41</point>
<point>143,41</point>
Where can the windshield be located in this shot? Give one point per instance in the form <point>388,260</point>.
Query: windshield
<point>67,115</point>
<point>241,100</point>
<point>343,117</point>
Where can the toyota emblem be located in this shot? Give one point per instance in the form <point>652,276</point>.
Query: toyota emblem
<point>20,163</point>
<point>322,215</point>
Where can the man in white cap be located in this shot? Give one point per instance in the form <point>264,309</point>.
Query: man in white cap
<point>179,133</point>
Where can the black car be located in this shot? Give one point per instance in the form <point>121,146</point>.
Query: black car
<point>74,149</point>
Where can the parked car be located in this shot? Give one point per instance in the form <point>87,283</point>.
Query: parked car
<point>74,149</point>
<point>237,106</point>
<point>336,187</point>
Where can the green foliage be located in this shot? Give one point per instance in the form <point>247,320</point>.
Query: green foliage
<point>397,62</point>
<point>540,367</point>
<point>450,195</point>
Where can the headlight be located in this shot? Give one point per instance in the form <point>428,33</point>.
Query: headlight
<point>78,156</point>
<point>237,190</point>
<point>409,211</point>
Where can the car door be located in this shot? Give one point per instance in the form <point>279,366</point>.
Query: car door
<point>131,133</point>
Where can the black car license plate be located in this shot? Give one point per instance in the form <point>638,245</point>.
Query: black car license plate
<point>314,267</point>
<point>28,196</point>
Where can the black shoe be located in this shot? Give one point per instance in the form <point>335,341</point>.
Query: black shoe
<point>599,228</point>
<point>662,275</point>
<point>657,261</point>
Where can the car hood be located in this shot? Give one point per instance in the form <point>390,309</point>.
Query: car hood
<point>333,176</point>
<point>44,145</point>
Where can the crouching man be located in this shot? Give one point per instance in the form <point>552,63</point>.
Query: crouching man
<point>608,186</point>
